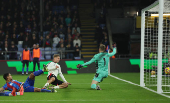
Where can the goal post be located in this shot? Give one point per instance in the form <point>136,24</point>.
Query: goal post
<point>155,46</point>
<point>160,36</point>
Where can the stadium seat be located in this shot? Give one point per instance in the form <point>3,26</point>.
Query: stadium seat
<point>54,52</point>
<point>20,49</point>
<point>19,46</point>
<point>42,58</point>
<point>47,56</point>
<point>20,42</point>
<point>47,49</point>
<point>42,49</point>
<point>54,45</point>
<point>28,48</point>
<point>54,49</point>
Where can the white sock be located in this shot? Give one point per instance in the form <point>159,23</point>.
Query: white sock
<point>18,93</point>
<point>46,84</point>
<point>56,87</point>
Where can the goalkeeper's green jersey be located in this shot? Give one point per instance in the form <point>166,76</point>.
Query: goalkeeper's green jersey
<point>102,60</point>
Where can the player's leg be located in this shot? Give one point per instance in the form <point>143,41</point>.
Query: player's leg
<point>8,93</point>
<point>97,79</point>
<point>60,84</point>
<point>38,63</point>
<point>51,80</point>
<point>63,85</point>
<point>27,64</point>
<point>34,89</point>
<point>23,65</point>
<point>34,63</point>
<point>36,73</point>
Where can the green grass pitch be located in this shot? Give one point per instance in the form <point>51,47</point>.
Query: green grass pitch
<point>113,91</point>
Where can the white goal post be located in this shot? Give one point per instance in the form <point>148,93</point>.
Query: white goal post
<point>155,46</point>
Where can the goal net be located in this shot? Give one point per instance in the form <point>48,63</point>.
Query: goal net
<point>155,46</point>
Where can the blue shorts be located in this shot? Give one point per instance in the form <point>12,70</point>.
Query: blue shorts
<point>29,85</point>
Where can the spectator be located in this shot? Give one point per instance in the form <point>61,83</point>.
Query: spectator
<point>28,29</point>
<point>47,29</point>
<point>69,41</point>
<point>34,40</point>
<point>105,41</point>
<point>56,39</point>
<point>61,21</point>
<point>2,36</point>
<point>14,39</point>
<point>61,42</point>
<point>79,36</point>
<point>62,49</point>
<point>77,28</point>
<point>7,38</point>
<point>21,37</point>
<point>77,50</point>
<point>62,35</point>
<point>26,43</point>
<point>68,20</point>
<point>51,34</point>
<point>61,29</point>
<point>41,41</point>
<point>21,28</point>
<point>5,48</point>
<point>76,21</point>
<point>47,42</point>
<point>76,41</point>
<point>69,54</point>
<point>74,34</point>
<point>13,55</point>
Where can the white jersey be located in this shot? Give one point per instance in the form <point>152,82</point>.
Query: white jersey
<point>53,70</point>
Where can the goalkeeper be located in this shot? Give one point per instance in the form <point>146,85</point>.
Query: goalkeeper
<point>101,59</point>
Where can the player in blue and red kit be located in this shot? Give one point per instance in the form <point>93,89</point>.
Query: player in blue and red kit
<point>28,86</point>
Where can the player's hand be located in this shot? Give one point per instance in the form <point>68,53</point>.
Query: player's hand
<point>79,66</point>
<point>114,45</point>
<point>57,66</point>
<point>68,83</point>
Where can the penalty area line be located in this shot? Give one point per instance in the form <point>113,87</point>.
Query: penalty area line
<point>137,85</point>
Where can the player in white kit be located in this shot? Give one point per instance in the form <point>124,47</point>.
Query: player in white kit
<point>53,70</point>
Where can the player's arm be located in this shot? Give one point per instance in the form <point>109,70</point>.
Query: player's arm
<point>112,53</point>
<point>89,62</point>
<point>62,76</point>
<point>1,89</point>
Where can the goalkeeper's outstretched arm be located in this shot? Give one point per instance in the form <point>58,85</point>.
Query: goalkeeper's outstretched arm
<point>112,53</point>
<point>91,61</point>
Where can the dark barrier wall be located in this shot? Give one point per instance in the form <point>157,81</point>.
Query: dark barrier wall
<point>69,66</point>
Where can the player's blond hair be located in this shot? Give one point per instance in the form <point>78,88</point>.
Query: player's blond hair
<point>56,55</point>
<point>102,47</point>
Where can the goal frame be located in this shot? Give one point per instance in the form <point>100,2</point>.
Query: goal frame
<point>160,36</point>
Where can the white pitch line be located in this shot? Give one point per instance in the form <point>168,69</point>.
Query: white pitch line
<point>138,85</point>
<point>113,100</point>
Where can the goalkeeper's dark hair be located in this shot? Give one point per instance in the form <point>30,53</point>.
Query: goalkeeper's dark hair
<point>102,47</point>
<point>5,76</point>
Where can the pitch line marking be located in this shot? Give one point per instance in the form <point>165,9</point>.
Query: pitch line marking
<point>113,100</point>
<point>138,85</point>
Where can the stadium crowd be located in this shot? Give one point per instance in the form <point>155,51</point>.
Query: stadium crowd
<point>20,27</point>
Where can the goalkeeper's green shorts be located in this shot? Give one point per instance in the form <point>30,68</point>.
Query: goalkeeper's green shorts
<point>99,76</point>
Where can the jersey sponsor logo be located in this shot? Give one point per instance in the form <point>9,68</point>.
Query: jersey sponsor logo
<point>11,84</point>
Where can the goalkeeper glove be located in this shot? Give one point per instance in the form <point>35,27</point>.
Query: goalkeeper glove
<point>79,66</point>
